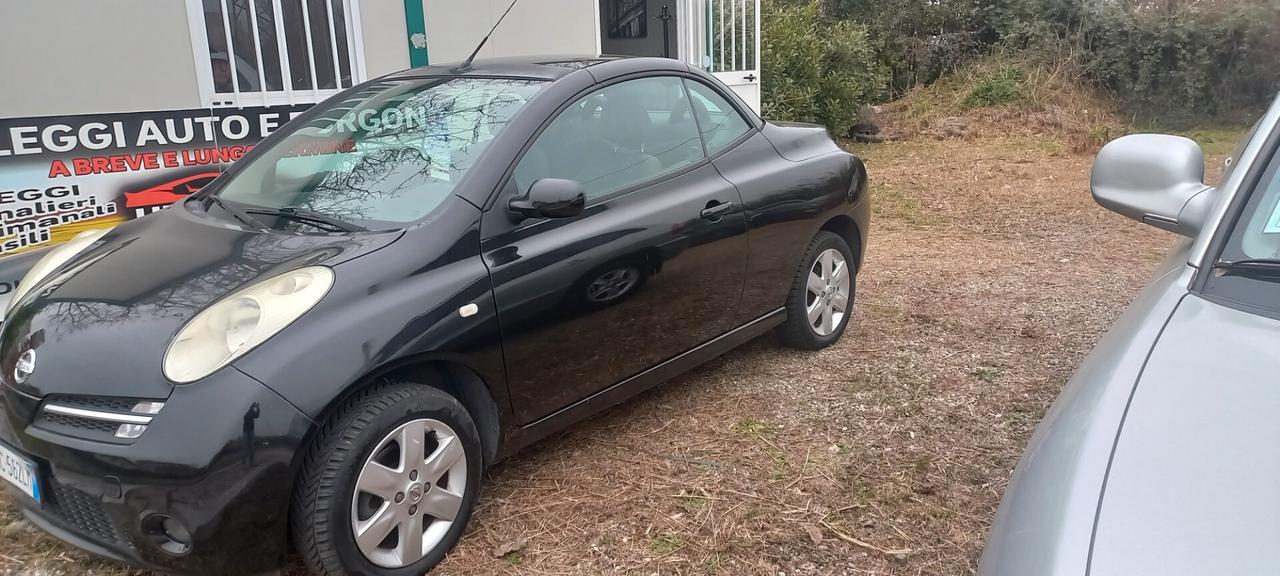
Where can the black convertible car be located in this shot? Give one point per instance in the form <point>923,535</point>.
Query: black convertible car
<point>325,345</point>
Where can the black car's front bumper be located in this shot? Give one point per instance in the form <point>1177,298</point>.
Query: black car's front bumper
<point>218,458</point>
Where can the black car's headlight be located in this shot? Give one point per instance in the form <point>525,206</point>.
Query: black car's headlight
<point>242,320</point>
<point>50,262</point>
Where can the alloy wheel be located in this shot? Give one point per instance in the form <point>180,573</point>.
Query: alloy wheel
<point>827,292</point>
<point>408,493</point>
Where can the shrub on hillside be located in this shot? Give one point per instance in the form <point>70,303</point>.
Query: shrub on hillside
<point>1184,62</point>
<point>1184,57</point>
<point>918,41</point>
<point>1007,95</point>
<point>816,69</point>
<point>996,88</point>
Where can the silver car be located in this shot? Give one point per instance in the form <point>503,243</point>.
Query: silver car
<point>1162,455</point>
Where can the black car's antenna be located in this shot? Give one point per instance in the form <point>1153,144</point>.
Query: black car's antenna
<point>467,63</point>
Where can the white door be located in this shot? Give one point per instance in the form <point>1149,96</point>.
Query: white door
<point>723,37</point>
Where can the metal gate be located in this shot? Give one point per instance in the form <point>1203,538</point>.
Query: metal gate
<point>723,37</point>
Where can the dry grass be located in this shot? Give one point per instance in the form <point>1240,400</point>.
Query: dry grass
<point>989,275</point>
<point>1038,99</point>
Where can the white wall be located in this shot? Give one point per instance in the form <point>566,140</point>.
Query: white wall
<point>102,56</point>
<point>386,42</point>
<point>80,56</point>
<point>534,27</point>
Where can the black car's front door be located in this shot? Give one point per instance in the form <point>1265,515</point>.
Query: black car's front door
<point>653,268</point>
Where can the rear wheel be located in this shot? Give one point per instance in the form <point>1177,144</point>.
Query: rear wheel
<point>388,485</point>
<point>821,298</point>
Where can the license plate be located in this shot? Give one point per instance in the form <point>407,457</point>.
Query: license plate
<point>20,472</point>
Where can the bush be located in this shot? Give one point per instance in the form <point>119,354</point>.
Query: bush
<point>1003,86</point>
<point>920,41</point>
<point>1183,63</point>
<point>1188,58</point>
<point>816,69</point>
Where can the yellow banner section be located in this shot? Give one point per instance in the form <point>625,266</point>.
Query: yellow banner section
<point>60,234</point>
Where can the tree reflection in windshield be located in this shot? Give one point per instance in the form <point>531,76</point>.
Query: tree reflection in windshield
<point>390,153</point>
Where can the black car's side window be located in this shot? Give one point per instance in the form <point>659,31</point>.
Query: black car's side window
<point>616,137</point>
<point>720,122</point>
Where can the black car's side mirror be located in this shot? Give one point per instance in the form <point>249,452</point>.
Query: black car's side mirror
<point>550,198</point>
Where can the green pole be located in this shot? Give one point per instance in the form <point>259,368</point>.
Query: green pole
<point>708,62</point>
<point>416,27</point>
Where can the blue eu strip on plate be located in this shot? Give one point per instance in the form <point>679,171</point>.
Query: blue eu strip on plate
<point>19,472</point>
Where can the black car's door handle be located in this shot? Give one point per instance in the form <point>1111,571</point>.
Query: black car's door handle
<point>717,210</point>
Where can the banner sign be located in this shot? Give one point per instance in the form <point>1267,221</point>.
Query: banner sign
<point>60,175</point>
<point>63,174</point>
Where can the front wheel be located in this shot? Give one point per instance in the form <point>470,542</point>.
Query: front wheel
<point>821,298</point>
<point>388,485</point>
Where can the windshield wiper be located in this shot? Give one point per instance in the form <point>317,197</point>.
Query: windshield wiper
<point>300,214</point>
<point>234,212</point>
<point>1264,267</point>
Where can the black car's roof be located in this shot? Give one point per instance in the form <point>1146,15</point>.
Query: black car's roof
<point>566,78</point>
<point>547,67</point>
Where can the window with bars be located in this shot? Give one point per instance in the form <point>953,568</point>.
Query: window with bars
<point>265,52</point>
<point>719,35</point>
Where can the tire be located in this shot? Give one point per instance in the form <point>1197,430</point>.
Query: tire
<point>799,330</point>
<point>342,454</point>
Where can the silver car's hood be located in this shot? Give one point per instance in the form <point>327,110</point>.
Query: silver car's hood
<point>1194,483</point>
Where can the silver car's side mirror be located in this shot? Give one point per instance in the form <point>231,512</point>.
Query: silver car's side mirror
<point>1155,179</point>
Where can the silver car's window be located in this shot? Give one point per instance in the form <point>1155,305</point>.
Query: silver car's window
<point>1261,235</point>
<point>390,152</point>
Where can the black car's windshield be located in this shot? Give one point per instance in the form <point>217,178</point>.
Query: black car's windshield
<point>389,152</point>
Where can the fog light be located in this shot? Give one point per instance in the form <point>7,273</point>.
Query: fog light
<point>168,534</point>
<point>130,431</point>
<point>134,431</point>
<point>176,531</point>
<point>147,408</point>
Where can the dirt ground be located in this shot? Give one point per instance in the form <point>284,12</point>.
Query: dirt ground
<point>989,275</point>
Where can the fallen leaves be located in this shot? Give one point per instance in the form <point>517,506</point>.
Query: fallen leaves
<point>508,546</point>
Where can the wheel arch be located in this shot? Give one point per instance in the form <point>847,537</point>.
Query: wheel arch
<point>652,256</point>
<point>449,375</point>
<point>845,227</point>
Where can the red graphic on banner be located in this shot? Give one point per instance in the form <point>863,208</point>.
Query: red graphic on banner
<point>156,197</point>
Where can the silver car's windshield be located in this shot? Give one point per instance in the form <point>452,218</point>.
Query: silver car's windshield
<point>390,152</point>
<point>1247,270</point>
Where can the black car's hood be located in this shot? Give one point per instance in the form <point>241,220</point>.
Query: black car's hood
<point>104,331</point>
